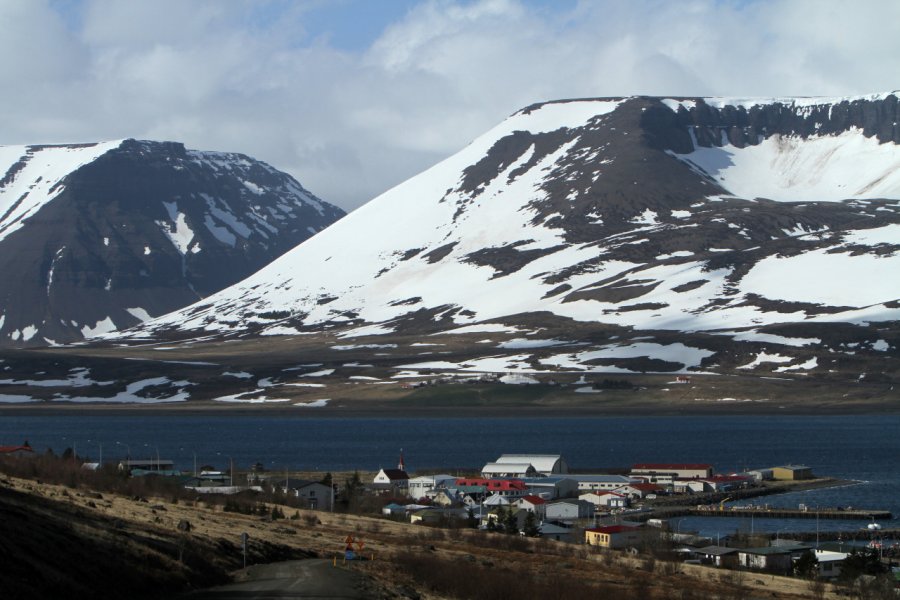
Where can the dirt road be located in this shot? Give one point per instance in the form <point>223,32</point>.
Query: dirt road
<point>311,579</point>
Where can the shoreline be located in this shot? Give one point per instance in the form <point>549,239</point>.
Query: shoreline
<point>444,412</point>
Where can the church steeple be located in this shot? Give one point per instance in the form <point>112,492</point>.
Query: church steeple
<point>401,464</point>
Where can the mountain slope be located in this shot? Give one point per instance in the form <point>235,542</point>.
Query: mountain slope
<point>95,237</point>
<point>653,234</point>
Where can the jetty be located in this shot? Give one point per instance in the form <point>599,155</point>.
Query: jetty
<point>771,512</point>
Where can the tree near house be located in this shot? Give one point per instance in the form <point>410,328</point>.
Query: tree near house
<point>511,523</point>
<point>865,562</point>
<point>530,527</point>
<point>353,489</point>
<point>807,565</point>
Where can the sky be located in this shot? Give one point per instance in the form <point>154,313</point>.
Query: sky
<point>352,97</point>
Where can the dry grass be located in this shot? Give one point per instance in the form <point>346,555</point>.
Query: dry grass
<point>437,563</point>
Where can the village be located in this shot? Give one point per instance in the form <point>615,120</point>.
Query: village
<point>536,495</point>
<point>521,502</point>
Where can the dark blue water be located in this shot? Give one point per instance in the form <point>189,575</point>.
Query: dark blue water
<point>864,448</point>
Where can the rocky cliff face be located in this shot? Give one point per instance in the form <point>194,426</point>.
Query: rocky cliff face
<point>99,237</point>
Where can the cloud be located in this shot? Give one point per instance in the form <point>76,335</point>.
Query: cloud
<point>256,77</point>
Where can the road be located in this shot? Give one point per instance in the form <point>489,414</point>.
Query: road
<point>311,579</point>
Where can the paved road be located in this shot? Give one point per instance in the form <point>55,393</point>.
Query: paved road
<point>312,579</point>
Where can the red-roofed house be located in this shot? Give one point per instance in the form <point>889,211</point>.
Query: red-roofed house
<point>640,490</point>
<point>23,450</point>
<point>613,536</point>
<point>533,504</point>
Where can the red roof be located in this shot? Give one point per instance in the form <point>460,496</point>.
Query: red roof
<point>608,494</point>
<point>537,500</point>
<point>645,487</point>
<point>672,466</point>
<point>11,449</point>
<point>612,529</point>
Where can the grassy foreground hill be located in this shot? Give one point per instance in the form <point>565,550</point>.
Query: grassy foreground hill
<point>62,537</point>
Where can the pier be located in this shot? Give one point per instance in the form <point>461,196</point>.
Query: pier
<point>769,512</point>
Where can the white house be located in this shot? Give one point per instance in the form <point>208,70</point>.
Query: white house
<point>606,500</point>
<point>391,479</point>
<point>532,504</point>
<point>830,563</point>
<point>419,486</point>
<point>544,464</point>
<point>316,494</point>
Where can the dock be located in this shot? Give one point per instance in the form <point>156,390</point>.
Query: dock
<point>768,512</point>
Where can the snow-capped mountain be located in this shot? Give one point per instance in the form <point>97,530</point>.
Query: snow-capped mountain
<point>95,237</point>
<point>629,234</point>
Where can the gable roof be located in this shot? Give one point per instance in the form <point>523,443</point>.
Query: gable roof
<point>395,474</point>
<point>11,449</point>
<point>536,500</point>
<point>604,493</point>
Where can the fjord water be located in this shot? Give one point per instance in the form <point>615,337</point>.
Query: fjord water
<point>863,448</point>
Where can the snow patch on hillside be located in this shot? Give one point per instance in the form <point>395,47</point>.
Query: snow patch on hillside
<point>793,169</point>
<point>103,326</point>
<point>36,174</point>
<point>856,280</point>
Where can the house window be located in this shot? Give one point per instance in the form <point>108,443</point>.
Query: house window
<point>312,493</point>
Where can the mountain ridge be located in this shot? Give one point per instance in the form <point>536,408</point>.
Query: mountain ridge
<point>562,205</point>
<point>105,235</point>
<point>600,251</point>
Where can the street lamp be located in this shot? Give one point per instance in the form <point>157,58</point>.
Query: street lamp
<point>127,450</point>
<point>99,443</point>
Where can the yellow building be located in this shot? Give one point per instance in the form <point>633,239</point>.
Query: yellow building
<point>791,473</point>
<point>613,536</point>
